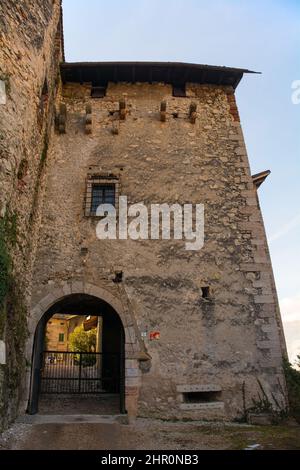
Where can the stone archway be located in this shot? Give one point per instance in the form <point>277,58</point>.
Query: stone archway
<point>133,349</point>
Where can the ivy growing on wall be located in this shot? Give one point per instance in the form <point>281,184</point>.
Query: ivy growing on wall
<point>13,322</point>
<point>8,239</point>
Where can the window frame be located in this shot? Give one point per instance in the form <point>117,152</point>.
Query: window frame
<point>105,180</point>
<point>100,195</point>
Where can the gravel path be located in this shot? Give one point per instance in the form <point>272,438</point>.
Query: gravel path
<point>104,433</point>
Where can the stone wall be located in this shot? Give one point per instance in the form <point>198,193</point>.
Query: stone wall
<point>30,51</point>
<point>224,344</point>
<point>55,328</point>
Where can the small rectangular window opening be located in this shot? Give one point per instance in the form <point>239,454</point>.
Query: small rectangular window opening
<point>102,194</point>
<point>61,337</point>
<point>201,397</point>
<point>179,91</point>
<point>101,189</point>
<point>98,92</point>
<point>206,292</point>
<point>118,277</point>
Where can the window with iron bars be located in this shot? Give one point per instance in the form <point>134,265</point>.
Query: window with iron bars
<point>100,190</point>
<point>102,194</point>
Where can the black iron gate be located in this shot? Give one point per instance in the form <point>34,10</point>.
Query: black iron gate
<point>80,373</point>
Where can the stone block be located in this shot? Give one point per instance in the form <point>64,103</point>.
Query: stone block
<point>202,406</point>
<point>132,372</point>
<point>264,299</point>
<point>198,388</point>
<point>132,381</point>
<point>2,353</point>
<point>260,419</point>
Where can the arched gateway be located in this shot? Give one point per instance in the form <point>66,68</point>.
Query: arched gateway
<point>100,374</point>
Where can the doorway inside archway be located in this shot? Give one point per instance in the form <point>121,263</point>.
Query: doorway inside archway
<point>78,359</point>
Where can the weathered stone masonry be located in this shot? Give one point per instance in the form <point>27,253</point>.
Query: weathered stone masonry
<point>30,52</point>
<point>218,343</point>
<point>175,152</point>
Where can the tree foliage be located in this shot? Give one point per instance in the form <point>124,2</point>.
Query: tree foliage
<point>83,341</point>
<point>292,376</point>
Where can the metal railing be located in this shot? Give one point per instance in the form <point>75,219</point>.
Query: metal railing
<point>80,373</point>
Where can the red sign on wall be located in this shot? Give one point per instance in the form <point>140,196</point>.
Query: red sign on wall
<point>154,335</point>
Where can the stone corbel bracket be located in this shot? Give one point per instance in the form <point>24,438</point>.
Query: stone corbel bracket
<point>88,119</point>
<point>61,118</point>
<point>144,359</point>
<point>193,113</point>
<point>122,109</point>
<point>163,111</point>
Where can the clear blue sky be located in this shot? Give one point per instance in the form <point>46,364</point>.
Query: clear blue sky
<point>262,35</point>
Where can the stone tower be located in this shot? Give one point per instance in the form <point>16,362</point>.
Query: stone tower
<point>201,333</point>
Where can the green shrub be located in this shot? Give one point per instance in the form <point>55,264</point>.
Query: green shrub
<point>8,239</point>
<point>292,376</point>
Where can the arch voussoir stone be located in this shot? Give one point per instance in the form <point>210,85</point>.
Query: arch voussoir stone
<point>55,294</point>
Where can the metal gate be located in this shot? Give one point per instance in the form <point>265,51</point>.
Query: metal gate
<point>80,373</point>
